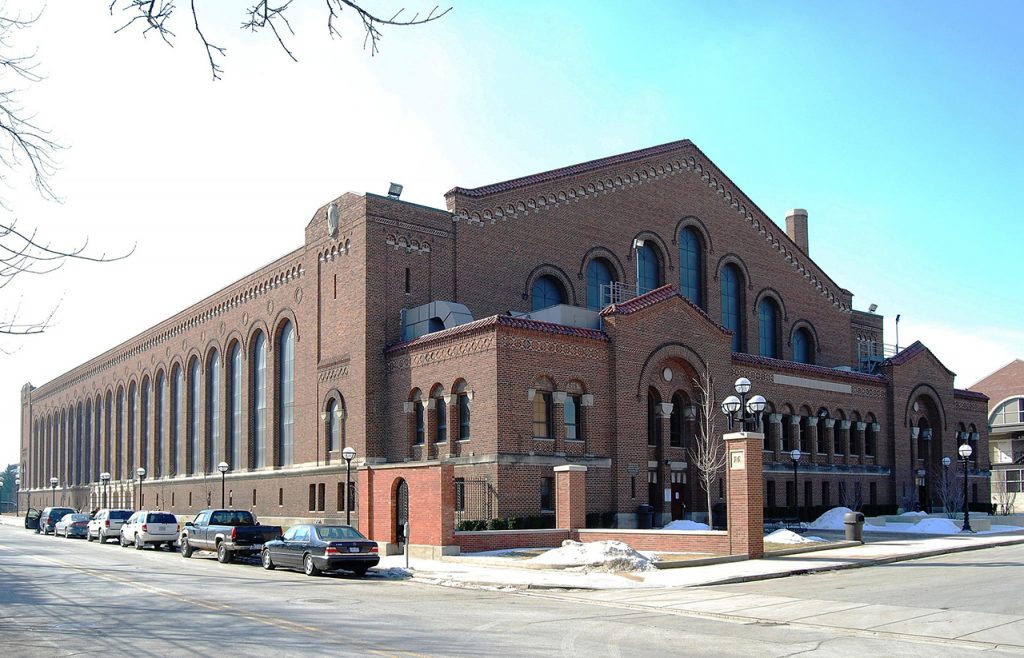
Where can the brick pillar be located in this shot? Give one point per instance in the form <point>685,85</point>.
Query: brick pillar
<point>775,431</point>
<point>862,432</point>
<point>570,497</point>
<point>856,449</point>
<point>364,505</point>
<point>558,421</point>
<point>812,438</point>
<point>451,405</point>
<point>830,440</point>
<point>664,479</point>
<point>745,504</point>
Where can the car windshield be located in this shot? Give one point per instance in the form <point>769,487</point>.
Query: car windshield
<point>337,533</point>
<point>120,514</point>
<point>60,512</point>
<point>231,518</point>
<point>160,517</point>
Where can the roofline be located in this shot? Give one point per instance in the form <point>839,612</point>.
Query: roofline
<point>499,321</point>
<point>808,369</point>
<point>999,369</point>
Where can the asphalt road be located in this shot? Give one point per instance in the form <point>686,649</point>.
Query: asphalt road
<point>62,597</point>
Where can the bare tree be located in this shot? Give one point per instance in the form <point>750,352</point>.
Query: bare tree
<point>949,488</point>
<point>851,497</point>
<point>708,451</point>
<point>1005,500</point>
<point>154,16</point>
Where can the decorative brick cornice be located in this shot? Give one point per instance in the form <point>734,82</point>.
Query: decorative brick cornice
<point>807,369</point>
<point>495,321</point>
<point>964,394</point>
<point>657,296</point>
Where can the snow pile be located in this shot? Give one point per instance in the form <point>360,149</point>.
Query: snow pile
<point>935,527</point>
<point>789,537</point>
<point>922,513</point>
<point>830,520</point>
<point>686,525</point>
<point>599,555</point>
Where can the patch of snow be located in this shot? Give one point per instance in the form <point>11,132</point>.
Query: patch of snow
<point>608,555</point>
<point>922,513</point>
<point>1000,528</point>
<point>784,536</point>
<point>830,520</point>
<point>686,525</point>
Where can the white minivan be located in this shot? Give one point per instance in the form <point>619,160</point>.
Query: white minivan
<point>106,524</point>
<point>150,527</point>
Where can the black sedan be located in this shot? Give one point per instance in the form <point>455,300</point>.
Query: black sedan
<point>317,548</point>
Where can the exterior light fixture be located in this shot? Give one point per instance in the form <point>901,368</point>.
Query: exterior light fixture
<point>141,472</point>
<point>223,468</point>
<point>348,454</point>
<point>965,451</point>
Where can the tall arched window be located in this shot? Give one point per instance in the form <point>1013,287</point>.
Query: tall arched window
<point>107,416</point>
<point>119,435</point>
<point>258,410</point>
<point>133,413</point>
<point>803,346</point>
<point>675,431</point>
<point>159,404</point>
<point>286,393</point>
<point>419,426</point>
<point>97,437</point>
<point>195,387</point>
<point>732,316</point>
<point>464,412</point>
<point>333,426</point>
<point>234,451</point>
<point>571,416</point>
<point>212,451</point>
<point>177,419</point>
<point>690,266</point>
<point>440,417</point>
<point>768,327</point>
<point>648,269</point>
<point>599,276</point>
<point>542,415</point>
<point>144,429</point>
<point>547,291</point>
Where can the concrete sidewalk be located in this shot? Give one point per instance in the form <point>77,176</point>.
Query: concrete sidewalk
<point>463,573</point>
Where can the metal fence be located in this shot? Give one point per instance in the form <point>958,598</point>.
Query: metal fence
<point>475,500</point>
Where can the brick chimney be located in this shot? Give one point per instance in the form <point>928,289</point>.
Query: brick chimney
<point>796,228</point>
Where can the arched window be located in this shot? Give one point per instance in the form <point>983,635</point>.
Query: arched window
<point>334,420</point>
<point>419,424</point>
<point>690,266</point>
<point>653,421</point>
<point>133,409</point>
<point>675,430</point>
<point>212,450</point>
<point>573,418</point>
<point>440,417</point>
<point>177,419</point>
<point>195,386</point>
<point>599,275</point>
<point>870,435</point>
<point>648,269</point>
<point>803,346</point>
<point>159,404</point>
<point>732,316</point>
<point>286,393</point>
<point>234,411</point>
<point>144,428</point>
<point>464,412</point>
<point>547,291</point>
<point>542,415</point>
<point>118,435</point>
<point>258,409</point>
<point>768,327</point>
<point>107,415</point>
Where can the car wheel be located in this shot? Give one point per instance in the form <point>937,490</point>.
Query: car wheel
<point>120,540</point>
<point>308,567</point>
<point>138,543</point>
<point>186,549</point>
<point>224,556</point>
<point>88,535</point>
<point>266,560</point>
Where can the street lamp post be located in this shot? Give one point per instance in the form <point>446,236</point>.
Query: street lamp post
<point>223,468</point>
<point>965,454</point>
<point>749,410</point>
<point>946,461</point>
<point>2,481</point>
<point>105,480</point>
<point>53,492</point>
<point>795,455</point>
<point>348,453</point>
<point>17,495</point>
<point>141,472</point>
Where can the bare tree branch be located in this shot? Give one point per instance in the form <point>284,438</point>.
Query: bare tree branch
<point>154,15</point>
<point>708,451</point>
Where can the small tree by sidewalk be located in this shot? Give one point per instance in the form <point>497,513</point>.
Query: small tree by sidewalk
<point>708,451</point>
<point>949,489</point>
<point>851,497</point>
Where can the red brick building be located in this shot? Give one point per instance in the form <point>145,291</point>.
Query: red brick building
<point>560,318</point>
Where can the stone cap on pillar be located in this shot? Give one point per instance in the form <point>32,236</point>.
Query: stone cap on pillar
<point>737,436</point>
<point>570,468</point>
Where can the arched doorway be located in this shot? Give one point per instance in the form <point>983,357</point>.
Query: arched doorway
<point>400,517</point>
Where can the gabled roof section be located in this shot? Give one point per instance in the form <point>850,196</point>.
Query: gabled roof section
<point>1016,367</point>
<point>502,321</point>
<point>571,170</point>
<point>969,395</point>
<point>912,352</point>
<point>657,296</point>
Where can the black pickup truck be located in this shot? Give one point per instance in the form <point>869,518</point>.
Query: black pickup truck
<point>228,532</point>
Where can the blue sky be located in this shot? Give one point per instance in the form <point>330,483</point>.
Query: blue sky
<point>897,125</point>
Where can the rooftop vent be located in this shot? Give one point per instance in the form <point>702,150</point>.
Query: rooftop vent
<point>394,190</point>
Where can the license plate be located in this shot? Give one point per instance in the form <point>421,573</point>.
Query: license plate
<point>257,547</point>
<point>353,549</point>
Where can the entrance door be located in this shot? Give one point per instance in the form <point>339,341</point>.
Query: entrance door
<point>401,513</point>
<point>678,509</point>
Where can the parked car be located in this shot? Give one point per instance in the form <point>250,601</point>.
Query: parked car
<point>150,527</point>
<point>72,525</point>
<point>32,519</point>
<point>315,548</point>
<point>226,531</point>
<point>106,524</point>
<point>49,517</point>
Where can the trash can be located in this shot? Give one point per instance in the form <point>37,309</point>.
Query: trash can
<point>644,517</point>
<point>720,514</point>
<point>854,523</point>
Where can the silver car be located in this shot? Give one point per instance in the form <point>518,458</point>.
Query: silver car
<point>72,525</point>
<point>106,524</point>
<point>150,527</point>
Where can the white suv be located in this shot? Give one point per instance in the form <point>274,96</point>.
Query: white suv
<point>106,524</point>
<point>150,527</point>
